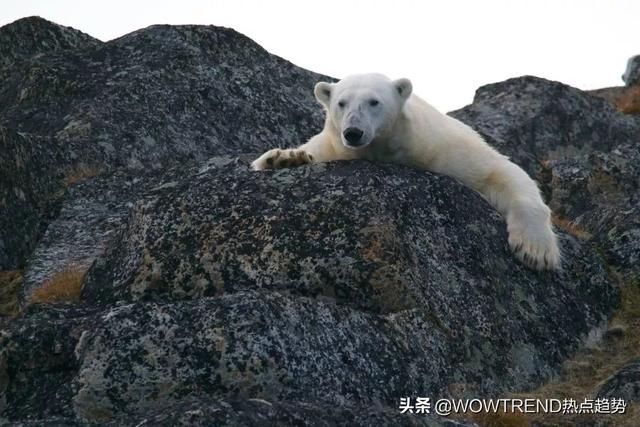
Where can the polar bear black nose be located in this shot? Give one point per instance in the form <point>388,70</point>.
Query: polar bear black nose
<point>353,135</point>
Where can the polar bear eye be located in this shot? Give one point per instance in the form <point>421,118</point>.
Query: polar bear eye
<point>341,104</point>
<point>374,102</point>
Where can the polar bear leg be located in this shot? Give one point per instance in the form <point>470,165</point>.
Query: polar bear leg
<point>514,194</point>
<point>531,236</point>
<point>317,150</point>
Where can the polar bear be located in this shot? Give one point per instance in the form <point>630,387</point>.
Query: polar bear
<point>371,117</point>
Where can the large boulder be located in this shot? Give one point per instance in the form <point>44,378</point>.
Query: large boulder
<point>283,285</point>
<point>160,95</point>
<point>155,98</point>
<point>535,120</point>
<point>375,270</point>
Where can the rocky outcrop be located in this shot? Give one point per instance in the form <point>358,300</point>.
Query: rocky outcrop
<point>624,384</point>
<point>319,295</point>
<point>228,282</point>
<point>631,75</point>
<point>625,98</point>
<point>29,194</point>
<point>535,121</point>
<point>284,251</point>
<point>161,95</point>
<point>90,215</point>
<point>154,98</point>
<point>34,36</point>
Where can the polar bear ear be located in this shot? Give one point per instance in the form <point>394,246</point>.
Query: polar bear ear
<point>323,93</point>
<point>403,87</point>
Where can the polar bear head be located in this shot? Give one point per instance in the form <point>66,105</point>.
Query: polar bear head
<point>363,108</point>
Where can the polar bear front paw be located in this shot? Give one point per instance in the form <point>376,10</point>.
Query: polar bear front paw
<point>278,159</point>
<point>536,248</point>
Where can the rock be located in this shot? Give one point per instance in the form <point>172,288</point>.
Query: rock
<point>624,384</point>
<point>95,106</point>
<point>91,213</point>
<point>250,344</point>
<point>408,273</point>
<point>534,120</point>
<point>32,36</point>
<point>631,75</point>
<point>63,337</point>
<point>29,193</point>
<point>37,363</point>
<point>599,192</point>
<point>319,295</point>
<point>251,412</point>
<point>220,94</point>
<point>413,310</point>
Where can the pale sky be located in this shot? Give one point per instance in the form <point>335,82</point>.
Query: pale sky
<point>447,48</point>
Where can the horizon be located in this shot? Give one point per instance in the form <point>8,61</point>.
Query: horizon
<point>582,44</point>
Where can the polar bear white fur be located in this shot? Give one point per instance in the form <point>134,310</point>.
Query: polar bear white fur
<point>371,117</point>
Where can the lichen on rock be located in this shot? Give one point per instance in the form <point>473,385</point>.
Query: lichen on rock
<point>317,295</point>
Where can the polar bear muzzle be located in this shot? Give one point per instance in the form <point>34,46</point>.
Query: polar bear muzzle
<point>353,136</point>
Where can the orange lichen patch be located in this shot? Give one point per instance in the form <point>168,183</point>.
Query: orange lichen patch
<point>629,101</point>
<point>81,172</point>
<point>571,228</point>
<point>64,286</point>
<point>374,251</point>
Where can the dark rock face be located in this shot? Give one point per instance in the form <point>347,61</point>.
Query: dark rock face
<point>160,95</point>
<point>42,345</point>
<point>154,98</point>
<point>631,75</point>
<point>316,296</point>
<point>29,193</point>
<point>91,213</point>
<point>271,249</point>
<point>624,384</point>
<point>28,37</point>
<point>534,120</point>
<point>388,294</point>
<point>601,193</point>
